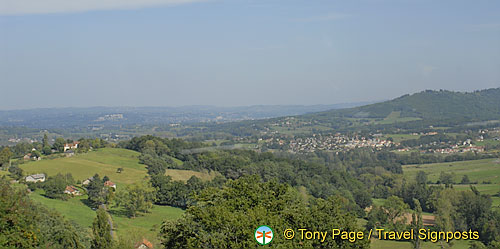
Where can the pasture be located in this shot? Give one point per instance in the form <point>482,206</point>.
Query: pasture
<point>476,170</point>
<point>75,210</point>
<point>105,162</point>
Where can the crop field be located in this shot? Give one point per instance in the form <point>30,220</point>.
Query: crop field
<point>476,170</point>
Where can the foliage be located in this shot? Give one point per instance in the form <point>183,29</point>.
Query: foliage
<point>225,218</point>
<point>101,230</point>
<point>54,186</point>
<point>135,198</point>
<point>25,224</point>
<point>5,156</point>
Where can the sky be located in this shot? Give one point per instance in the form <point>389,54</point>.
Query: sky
<point>60,53</point>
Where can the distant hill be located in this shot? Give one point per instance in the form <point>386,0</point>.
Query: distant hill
<point>69,117</point>
<point>428,105</point>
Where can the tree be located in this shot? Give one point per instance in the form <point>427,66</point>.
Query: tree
<point>47,150</point>
<point>15,172</point>
<point>135,198</point>
<point>95,191</point>
<point>421,178</point>
<point>119,170</point>
<point>101,230</point>
<point>5,156</point>
<point>55,185</point>
<point>221,217</point>
<point>396,209</point>
<point>45,141</point>
<point>446,179</point>
<point>465,180</point>
<point>36,154</point>
<point>27,224</point>
<point>416,225</point>
<point>59,144</point>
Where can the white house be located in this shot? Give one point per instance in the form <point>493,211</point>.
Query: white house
<point>71,146</point>
<point>71,190</point>
<point>35,178</point>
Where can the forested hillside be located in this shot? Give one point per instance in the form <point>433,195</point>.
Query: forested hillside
<point>477,105</point>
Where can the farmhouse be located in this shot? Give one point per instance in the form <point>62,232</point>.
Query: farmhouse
<point>71,146</point>
<point>71,190</point>
<point>30,156</point>
<point>110,184</point>
<point>35,178</point>
<point>144,244</point>
<point>87,182</point>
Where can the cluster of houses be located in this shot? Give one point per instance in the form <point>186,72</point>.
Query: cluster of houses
<point>70,189</point>
<point>335,142</point>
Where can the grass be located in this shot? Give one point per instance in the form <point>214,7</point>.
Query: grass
<point>184,175</point>
<point>3,173</point>
<point>395,117</point>
<point>389,244</point>
<point>476,170</point>
<point>146,225</point>
<point>105,162</point>
<point>401,137</point>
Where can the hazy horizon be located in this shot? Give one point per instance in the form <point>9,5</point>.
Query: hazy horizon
<point>172,53</point>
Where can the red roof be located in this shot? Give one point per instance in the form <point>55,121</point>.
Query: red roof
<point>144,242</point>
<point>71,189</point>
<point>109,184</point>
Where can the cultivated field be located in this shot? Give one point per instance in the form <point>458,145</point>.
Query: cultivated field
<point>477,170</point>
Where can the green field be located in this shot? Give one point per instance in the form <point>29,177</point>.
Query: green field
<point>75,210</point>
<point>388,244</point>
<point>105,162</point>
<point>395,117</point>
<point>397,138</point>
<point>477,170</point>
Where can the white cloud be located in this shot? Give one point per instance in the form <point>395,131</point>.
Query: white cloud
<point>20,7</point>
<point>328,17</point>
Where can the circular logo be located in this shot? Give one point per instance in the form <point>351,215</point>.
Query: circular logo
<point>264,235</point>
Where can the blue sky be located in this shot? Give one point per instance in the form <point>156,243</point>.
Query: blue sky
<point>242,52</point>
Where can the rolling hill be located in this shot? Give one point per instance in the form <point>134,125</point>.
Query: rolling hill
<point>429,105</point>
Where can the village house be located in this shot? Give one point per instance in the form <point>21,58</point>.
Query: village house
<point>30,156</point>
<point>71,190</point>
<point>110,184</point>
<point>144,244</point>
<point>87,182</point>
<point>71,146</point>
<point>35,178</point>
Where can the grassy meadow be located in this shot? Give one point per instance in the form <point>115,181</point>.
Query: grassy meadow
<point>146,225</point>
<point>476,170</point>
<point>106,162</point>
